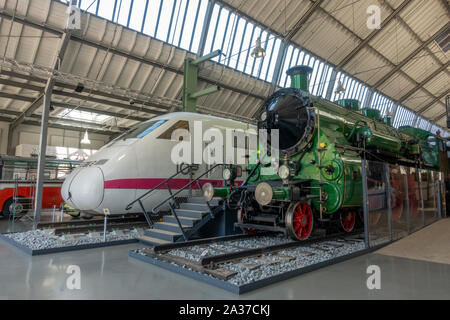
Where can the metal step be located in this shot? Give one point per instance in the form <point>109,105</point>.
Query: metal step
<point>213,202</point>
<point>173,227</point>
<point>163,234</point>
<point>194,206</point>
<point>151,241</point>
<point>191,213</point>
<point>187,221</point>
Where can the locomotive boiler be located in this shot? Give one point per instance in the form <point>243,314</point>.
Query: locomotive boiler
<point>319,177</point>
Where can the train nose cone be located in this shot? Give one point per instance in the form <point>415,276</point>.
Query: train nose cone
<point>86,189</point>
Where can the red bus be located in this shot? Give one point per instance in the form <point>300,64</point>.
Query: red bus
<point>18,183</point>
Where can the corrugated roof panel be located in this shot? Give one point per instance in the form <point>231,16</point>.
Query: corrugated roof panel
<point>439,84</point>
<point>418,100</point>
<point>353,14</point>
<point>425,17</point>
<point>368,66</point>
<point>397,86</point>
<point>421,66</point>
<point>38,10</point>
<point>437,51</point>
<point>434,111</point>
<point>395,42</point>
<point>315,37</point>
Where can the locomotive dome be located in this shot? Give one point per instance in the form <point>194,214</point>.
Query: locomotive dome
<point>288,111</point>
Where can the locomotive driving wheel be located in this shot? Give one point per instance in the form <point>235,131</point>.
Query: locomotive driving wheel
<point>348,220</point>
<point>299,220</point>
<point>242,212</point>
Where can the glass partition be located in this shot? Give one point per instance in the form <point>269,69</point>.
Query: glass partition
<point>415,201</point>
<point>429,194</point>
<point>399,202</point>
<point>377,205</point>
<point>443,198</point>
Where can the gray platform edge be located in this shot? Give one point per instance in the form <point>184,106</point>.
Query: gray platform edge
<point>236,289</point>
<point>64,249</point>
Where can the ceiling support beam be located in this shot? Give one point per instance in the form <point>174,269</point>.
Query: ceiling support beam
<point>17,84</point>
<point>106,102</point>
<point>72,87</point>
<point>129,55</point>
<point>42,152</point>
<point>64,43</point>
<point>296,28</point>
<point>373,34</point>
<point>101,112</point>
<point>278,65</point>
<point>47,98</point>
<point>58,123</point>
<point>399,66</point>
<point>425,81</point>
<point>331,84</point>
<point>205,28</point>
<point>429,105</point>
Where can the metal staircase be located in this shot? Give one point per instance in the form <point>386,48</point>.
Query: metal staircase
<point>186,218</point>
<point>192,216</point>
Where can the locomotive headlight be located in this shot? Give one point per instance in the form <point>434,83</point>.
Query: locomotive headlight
<point>226,174</point>
<point>283,172</point>
<point>264,116</point>
<point>208,192</point>
<point>263,193</point>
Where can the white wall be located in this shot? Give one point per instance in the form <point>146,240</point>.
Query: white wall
<point>26,134</point>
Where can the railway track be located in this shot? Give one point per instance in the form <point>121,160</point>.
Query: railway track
<point>223,258</point>
<point>95,225</point>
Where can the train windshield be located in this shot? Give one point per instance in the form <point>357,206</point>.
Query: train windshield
<point>141,130</point>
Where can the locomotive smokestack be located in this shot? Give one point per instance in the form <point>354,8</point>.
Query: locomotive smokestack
<point>300,77</point>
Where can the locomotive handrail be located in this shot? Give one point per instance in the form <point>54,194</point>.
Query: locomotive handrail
<point>354,128</point>
<point>128,207</point>
<point>196,180</point>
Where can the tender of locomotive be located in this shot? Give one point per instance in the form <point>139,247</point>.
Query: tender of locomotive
<point>319,177</point>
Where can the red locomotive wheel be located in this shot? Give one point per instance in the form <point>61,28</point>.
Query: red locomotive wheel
<point>240,218</point>
<point>348,220</point>
<point>300,220</point>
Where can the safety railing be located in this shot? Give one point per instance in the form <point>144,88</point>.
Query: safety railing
<point>172,197</point>
<point>145,195</point>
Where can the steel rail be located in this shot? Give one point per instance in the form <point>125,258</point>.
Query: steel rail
<point>88,222</point>
<point>95,228</point>
<point>213,260</point>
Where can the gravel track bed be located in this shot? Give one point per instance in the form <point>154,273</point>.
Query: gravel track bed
<point>196,253</point>
<point>244,267</point>
<point>45,239</point>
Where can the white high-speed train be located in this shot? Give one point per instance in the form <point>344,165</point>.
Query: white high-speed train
<point>139,160</point>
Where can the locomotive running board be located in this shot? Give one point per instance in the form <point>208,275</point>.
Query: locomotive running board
<point>260,227</point>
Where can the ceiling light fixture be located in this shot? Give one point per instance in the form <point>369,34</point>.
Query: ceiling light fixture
<point>85,139</point>
<point>258,51</point>
<point>340,88</point>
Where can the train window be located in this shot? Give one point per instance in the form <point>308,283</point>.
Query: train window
<point>141,130</point>
<point>180,125</point>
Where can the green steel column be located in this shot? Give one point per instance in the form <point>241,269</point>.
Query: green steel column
<point>190,94</point>
<point>189,85</point>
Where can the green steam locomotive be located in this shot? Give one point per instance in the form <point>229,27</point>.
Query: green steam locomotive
<point>319,176</point>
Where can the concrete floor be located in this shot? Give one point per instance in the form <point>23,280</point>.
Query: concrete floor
<point>108,273</point>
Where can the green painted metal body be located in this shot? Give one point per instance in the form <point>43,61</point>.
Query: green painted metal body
<point>338,129</point>
<point>427,145</point>
<point>299,81</point>
<point>351,104</point>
